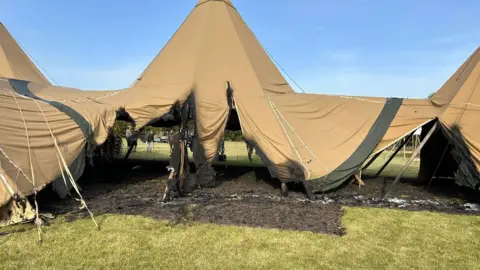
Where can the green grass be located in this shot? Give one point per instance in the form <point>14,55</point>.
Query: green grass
<point>237,155</point>
<point>376,239</point>
<point>394,167</point>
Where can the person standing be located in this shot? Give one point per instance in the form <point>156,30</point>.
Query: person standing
<point>171,140</point>
<point>149,139</point>
<point>131,139</point>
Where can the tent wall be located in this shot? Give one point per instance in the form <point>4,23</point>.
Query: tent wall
<point>27,141</point>
<point>458,101</point>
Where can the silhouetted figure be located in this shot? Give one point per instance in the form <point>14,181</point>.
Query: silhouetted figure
<point>132,138</point>
<point>249,149</point>
<point>171,140</point>
<point>149,140</point>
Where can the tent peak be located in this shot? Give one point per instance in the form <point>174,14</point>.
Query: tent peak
<point>205,1</point>
<point>14,61</point>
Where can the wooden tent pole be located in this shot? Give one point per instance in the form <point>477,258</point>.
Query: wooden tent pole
<point>394,146</point>
<point>414,155</point>
<point>394,154</point>
<point>375,157</point>
<point>129,151</point>
<point>438,167</point>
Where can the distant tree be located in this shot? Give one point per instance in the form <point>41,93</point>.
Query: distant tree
<point>431,95</point>
<point>119,128</point>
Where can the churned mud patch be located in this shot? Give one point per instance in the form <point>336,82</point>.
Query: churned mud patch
<point>248,197</point>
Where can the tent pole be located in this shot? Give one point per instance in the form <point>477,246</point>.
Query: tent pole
<point>394,154</point>
<point>414,155</point>
<point>375,157</point>
<point>438,167</point>
<point>129,151</point>
<point>394,146</point>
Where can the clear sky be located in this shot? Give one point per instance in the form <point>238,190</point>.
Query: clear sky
<point>404,48</point>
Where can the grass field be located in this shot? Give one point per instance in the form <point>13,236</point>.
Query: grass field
<point>375,239</point>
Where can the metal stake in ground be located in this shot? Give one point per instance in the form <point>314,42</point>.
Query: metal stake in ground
<point>414,155</point>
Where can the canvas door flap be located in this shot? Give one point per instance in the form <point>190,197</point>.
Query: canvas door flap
<point>261,126</point>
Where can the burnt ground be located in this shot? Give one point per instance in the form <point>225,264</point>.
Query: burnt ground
<point>249,197</point>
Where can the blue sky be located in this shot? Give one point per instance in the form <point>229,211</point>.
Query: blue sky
<point>405,48</point>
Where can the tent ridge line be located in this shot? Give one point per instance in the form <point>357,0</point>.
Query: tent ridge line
<point>245,51</point>
<point>158,54</point>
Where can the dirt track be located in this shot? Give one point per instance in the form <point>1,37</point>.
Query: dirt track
<point>249,197</point>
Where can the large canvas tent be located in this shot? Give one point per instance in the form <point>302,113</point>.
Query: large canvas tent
<point>214,63</point>
<point>299,136</point>
<point>42,140</point>
<point>455,151</point>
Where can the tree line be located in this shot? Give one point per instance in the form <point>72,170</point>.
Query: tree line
<point>120,128</point>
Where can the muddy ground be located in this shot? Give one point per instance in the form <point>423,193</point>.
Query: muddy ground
<point>249,197</point>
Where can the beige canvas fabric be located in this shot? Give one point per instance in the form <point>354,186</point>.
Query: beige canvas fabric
<point>212,47</point>
<point>455,84</point>
<point>14,63</point>
<point>21,108</point>
<point>459,100</point>
<point>324,131</point>
<point>338,130</point>
<point>299,134</point>
<point>215,46</point>
<point>26,143</point>
<point>100,116</point>
<point>412,115</point>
